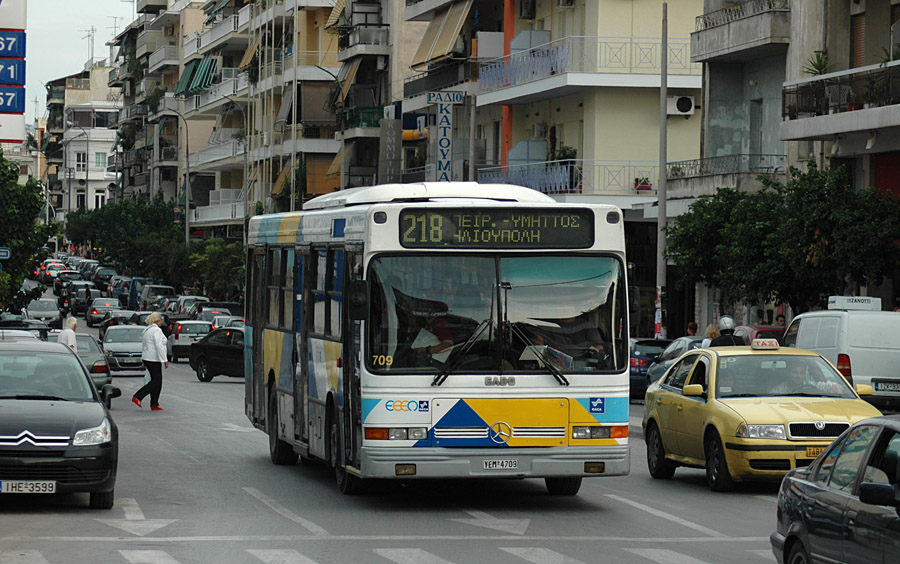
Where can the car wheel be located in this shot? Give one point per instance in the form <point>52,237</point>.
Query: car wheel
<point>102,500</point>
<point>203,373</point>
<point>797,555</point>
<point>346,483</point>
<point>659,466</point>
<point>717,475</point>
<point>563,486</point>
<point>280,452</point>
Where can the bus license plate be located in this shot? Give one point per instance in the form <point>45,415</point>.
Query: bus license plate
<point>887,386</point>
<point>27,487</point>
<point>505,464</point>
<point>812,452</point>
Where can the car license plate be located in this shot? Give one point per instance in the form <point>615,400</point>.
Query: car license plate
<point>812,452</point>
<point>505,464</point>
<point>28,486</point>
<point>887,386</point>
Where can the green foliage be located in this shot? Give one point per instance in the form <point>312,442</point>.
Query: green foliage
<point>21,233</point>
<point>797,243</point>
<point>153,98</point>
<point>219,265</point>
<point>817,64</point>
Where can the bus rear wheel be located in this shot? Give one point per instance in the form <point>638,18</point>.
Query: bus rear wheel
<point>563,486</point>
<point>280,452</point>
<point>346,483</point>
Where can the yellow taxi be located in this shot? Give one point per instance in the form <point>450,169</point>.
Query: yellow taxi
<point>747,413</point>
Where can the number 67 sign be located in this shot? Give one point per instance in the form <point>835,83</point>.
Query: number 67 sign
<point>12,100</point>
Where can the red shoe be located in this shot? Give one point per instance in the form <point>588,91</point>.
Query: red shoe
<point>136,402</point>
<point>155,408</point>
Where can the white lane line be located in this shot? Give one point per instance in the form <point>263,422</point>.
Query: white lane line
<point>541,556</point>
<point>286,513</point>
<point>274,556</point>
<point>663,556</point>
<point>22,557</point>
<point>410,556</point>
<point>772,498</point>
<point>131,508</point>
<point>148,557</point>
<point>766,554</point>
<point>669,516</point>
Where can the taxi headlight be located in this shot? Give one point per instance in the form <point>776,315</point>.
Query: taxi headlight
<point>761,432</point>
<point>99,435</point>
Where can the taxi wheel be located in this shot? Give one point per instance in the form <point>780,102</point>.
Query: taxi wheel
<point>659,467</point>
<point>798,554</point>
<point>717,475</point>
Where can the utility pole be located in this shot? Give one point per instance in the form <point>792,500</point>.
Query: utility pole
<point>659,321</point>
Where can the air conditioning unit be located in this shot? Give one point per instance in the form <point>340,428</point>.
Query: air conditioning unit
<point>680,105</point>
<point>565,3</point>
<point>539,130</point>
<point>527,9</point>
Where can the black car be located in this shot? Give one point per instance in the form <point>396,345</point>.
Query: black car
<point>83,298</point>
<point>219,352</point>
<point>63,277</point>
<point>55,431</point>
<point>643,353</point>
<point>46,310</point>
<point>845,506</point>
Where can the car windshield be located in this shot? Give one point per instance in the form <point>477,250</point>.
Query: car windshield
<point>86,344</point>
<point>43,376</point>
<point>650,347</point>
<point>779,375</point>
<point>426,308</point>
<point>122,334</point>
<point>42,306</point>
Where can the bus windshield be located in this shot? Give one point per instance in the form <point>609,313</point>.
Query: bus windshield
<point>491,313</point>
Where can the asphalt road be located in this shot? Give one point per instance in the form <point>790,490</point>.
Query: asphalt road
<point>195,485</point>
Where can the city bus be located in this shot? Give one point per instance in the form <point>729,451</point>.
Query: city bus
<point>440,330</point>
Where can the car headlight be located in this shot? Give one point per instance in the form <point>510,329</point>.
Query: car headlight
<point>99,435</point>
<point>761,432</point>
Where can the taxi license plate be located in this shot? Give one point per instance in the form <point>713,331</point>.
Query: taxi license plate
<point>887,386</point>
<point>812,452</point>
<point>505,464</point>
<point>28,486</point>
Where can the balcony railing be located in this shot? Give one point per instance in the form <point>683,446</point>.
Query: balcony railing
<point>370,34</point>
<point>191,44</point>
<point>728,164</point>
<point>439,79</point>
<point>843,91</point>
<point>313,58</point>
<point>216,153</point>
<point>576,176</point>
<point>732,13</point>
<point>221,29</point>
<point>167,103</point>
<point>225,88</point>
<point>218,212</point>
<point>364,116</point>
<point>165,53</point>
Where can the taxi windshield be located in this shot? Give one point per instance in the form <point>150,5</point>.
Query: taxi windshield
<point>759,375</point>
<point>486,313</point>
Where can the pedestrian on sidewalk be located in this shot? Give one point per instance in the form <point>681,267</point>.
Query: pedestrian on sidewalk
<point>153,353</point>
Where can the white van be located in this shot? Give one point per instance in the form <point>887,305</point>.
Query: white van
<point>863,345</point>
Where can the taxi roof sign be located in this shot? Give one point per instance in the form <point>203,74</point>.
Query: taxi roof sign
<point>865,303</point>
<point>764,344</point>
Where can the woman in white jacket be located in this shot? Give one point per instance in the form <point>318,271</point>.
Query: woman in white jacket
<point>153,353</point>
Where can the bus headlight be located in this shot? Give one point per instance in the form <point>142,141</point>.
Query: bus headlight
<point>597,432</point>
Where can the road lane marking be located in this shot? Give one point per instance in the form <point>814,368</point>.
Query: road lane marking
<point>541,556</point>
<point>274,556</point>
<point>148,557</point>
<point>767,497</point>
<point>669,516</point>
<point>286,513</point>
<point>410,556</point>
<point>131,508</point>
<point>663,556</point>
<point>482,519</point>
<point>378,538</point>
<point>22,557</point>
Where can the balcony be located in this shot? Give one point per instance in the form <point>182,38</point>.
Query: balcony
<point>370,39</point>
<point>229,86</point>
<point>168,156</point>
<point>152,6</point>
<point>191,44</point>
<point>745,32</point>
<point>147,42</point>
<point>576,176</point>
<point>568,65</point>
<point>701,177</point>
<point>260,16</point>
<point>213,214</point>
<point>230,31</point>
<point>134,111</point>
<point>217,157</point>
<point>57,95</point>
<point>168,105</point>
<point>134,157</point>
<point>852,107</point>
<point>439,79</point>
<point>164,56</point>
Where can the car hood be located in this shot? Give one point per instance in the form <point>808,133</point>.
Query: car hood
<point>781,410</point>
<point>47,315</point>
<point>122,347</point>
<point>40,417</point>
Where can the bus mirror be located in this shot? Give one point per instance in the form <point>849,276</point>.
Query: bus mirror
<point>359,299</point>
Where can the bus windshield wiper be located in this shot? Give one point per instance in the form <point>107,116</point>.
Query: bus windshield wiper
<point>557,373</point>
<point>455,358</point>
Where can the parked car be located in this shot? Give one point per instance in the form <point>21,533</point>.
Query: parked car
<point>750,333</point>
<point>183,335</point>
<point>151,292</point>
<point>644,352</point>
<point>63,277</point>
<point>220,352</point>
<point>46,310</point>
<point>112,318</point>
<point>46,394</point>
<point>844,507</point>
<point>83,298</point>
<point>122,346</point>
<point>863,344</point>
<point>98,308</point>
<point>747,413</point>
<point>88,350</point>
<point>665,359</point>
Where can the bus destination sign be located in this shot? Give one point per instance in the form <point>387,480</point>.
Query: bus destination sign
<point>497,228</point>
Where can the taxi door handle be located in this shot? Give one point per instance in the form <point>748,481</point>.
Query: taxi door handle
<point>658,401</point>
<point>679,407</point>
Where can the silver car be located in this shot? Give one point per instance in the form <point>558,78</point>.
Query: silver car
<point>183,334</point>
<point>122,347</point>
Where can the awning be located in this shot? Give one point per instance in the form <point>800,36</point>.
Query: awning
<point>335,167</point>
<point>346,78</point>
<point>441,34</point>
<point>287,100</point>
<point>185,79</point>
<point>336,12</point>
<point>204,75</point>
<point>279,183</point>
<point>251,50</point>
<point>215,10</point>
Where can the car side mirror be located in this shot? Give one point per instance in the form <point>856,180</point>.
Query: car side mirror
<point>864,390</point>
<point>877,494</point>
<point>359,300</point>
<point>692,390</point>
<point>108,392</point>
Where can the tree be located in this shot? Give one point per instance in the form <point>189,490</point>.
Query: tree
<point>20,232</point>
<point>798,243</point>
<point>219,265</point>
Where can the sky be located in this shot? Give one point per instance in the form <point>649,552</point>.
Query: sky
<point>56,41</point>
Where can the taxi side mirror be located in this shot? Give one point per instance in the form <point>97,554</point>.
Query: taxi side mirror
<point>864,390</point>
<point>692,390</point>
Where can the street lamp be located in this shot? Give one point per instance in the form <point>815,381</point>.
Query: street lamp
<point>246,163</point>
<point>187,181</point>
